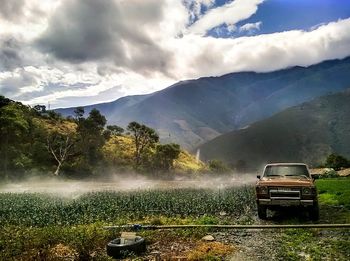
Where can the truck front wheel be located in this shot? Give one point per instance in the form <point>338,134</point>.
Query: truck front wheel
<point>262,212</point>
<point>314,212</point>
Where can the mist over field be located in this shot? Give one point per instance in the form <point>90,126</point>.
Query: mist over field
<point>123,183</point>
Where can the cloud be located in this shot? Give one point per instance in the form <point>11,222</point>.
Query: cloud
<point>16,82</point>
<point>231,13</point>
<point>11,10</point>
<point>195,7</point>
<point>250,27</point>
<point>9,54</point>
<point>89,30</point>
<point>208,56</point>
<point>84,51</point>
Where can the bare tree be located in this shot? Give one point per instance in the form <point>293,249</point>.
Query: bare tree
<point>60,146</point>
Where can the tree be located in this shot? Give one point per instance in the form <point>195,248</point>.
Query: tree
<point>144,138</point>
<point>79,112</point>
<point>165,156</point>
<point>90,137</point>
<point>112,130</point>
<point>115,130</point>
<point>54,115</point>
<point>61,147</point>
<point>4,101</point>
<point>13,125</point>
<point>217,166</point>
<point>336,162</point>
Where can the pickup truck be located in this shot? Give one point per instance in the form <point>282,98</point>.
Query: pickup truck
<point>285,185</point>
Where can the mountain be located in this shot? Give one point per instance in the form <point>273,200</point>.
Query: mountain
<point>195,111</point>
<point>304,133</point>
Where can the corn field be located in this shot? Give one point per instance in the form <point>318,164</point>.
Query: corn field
<point>34,209</point>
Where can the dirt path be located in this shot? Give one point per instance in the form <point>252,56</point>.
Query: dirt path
<point>251,245</point>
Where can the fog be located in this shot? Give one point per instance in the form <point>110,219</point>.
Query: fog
<point>64,187</point>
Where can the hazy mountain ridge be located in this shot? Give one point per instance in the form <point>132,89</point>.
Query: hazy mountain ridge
<point>307,133</point>
<point>195,111</point>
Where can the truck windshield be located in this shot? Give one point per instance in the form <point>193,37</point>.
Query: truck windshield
<point>287,170</point>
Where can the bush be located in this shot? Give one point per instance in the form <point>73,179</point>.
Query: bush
<point>336,162</point>
<point>217,166</point>
<point>330,174</point>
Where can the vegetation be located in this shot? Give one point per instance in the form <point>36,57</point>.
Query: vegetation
<point>43,210</point>
<point>34,140</point>
<point>48,227</point>
<point>38,226</point>
<point>217,166</point>
<point>335,192</point>
<point>337,162</point>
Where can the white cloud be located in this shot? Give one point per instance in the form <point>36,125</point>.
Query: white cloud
<point>36,76</point>
<point>250,27</point>
<point>208,56</point>
<point>231,13</point>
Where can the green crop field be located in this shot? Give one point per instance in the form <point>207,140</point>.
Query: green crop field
<point>38,226</point>
<point>42,210</point>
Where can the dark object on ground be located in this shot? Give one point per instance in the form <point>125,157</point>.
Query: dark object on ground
<point>116,249</point>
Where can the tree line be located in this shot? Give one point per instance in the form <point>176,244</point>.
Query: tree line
<point>37,140</point>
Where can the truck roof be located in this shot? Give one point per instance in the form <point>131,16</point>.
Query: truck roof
<point>283,164</point>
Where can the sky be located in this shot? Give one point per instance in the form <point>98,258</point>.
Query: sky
<point>70,53</point>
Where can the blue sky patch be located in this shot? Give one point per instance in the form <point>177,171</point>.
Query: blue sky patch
<point>286,15</point>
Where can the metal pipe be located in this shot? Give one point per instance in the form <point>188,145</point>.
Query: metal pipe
<point>139,227</point>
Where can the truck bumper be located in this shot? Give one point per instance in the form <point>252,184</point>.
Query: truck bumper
<point>286,202</point>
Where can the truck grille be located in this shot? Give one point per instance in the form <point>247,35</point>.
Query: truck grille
<point>284,193</point>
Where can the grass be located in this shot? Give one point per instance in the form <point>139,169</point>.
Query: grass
<point>315,244</point>
<point>334,192</point>
<point>47,227</point>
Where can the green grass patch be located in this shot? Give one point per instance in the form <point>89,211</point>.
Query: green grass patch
<point>334,191</point>
<point>313,244</point>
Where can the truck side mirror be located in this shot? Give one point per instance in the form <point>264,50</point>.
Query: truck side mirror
<point>258,176</point>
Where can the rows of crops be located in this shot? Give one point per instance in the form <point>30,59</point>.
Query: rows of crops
<point>42,209</point>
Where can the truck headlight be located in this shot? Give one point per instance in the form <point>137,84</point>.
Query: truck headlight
<point>306,191</point>
<point>263,190</point>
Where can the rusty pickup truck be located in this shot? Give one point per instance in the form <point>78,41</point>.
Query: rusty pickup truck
<point>285,185</point>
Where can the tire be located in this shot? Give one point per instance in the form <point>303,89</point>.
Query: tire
<point>314,212</point>
<point>117,250</point>
<point>262,212</point>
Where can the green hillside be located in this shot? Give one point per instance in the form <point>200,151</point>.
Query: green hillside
<point>305,133</point>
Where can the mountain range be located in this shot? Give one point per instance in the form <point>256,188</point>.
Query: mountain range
<point>308,133</point>
<point>196,111</point>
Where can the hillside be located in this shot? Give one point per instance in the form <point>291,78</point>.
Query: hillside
<point>195,111</point>
<point>44,143</point>
<point>118,153</point>
<point>306,133</point>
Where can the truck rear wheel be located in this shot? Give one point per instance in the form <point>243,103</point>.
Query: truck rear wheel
<point>262,212</point>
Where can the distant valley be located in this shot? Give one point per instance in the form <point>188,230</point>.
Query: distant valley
<point>196,111</point>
